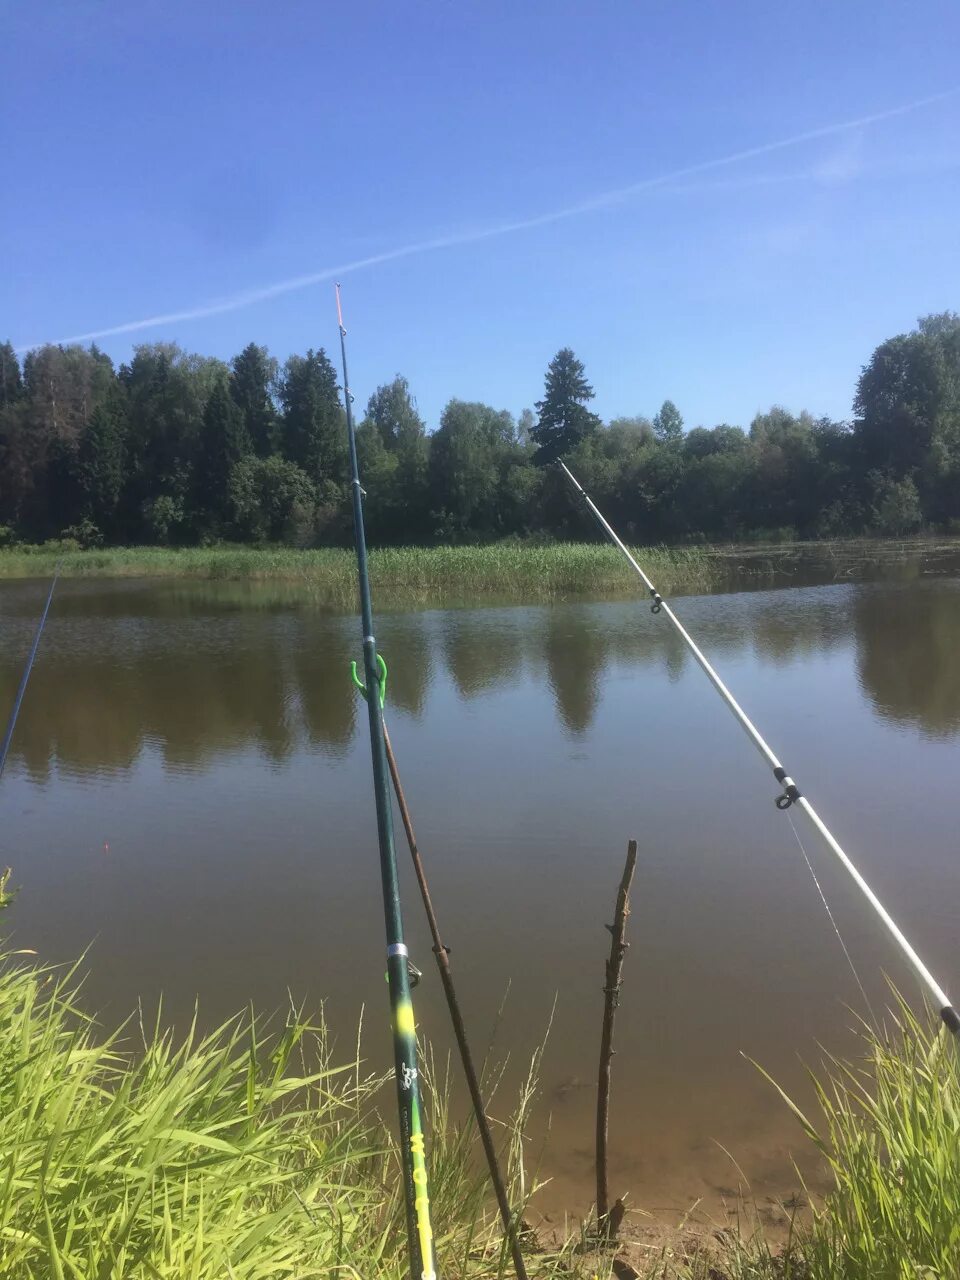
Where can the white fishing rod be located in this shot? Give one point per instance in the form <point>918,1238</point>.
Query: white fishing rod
<point>791,792</point>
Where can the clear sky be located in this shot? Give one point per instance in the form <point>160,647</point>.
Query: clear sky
<point>606,175</point>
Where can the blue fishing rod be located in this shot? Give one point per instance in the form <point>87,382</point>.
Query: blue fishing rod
<point>412,1153</point>
<point>31,657</point>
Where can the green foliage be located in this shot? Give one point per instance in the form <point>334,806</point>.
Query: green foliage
<point>890,1137</point>
<point>391,409</point>
<point>414,576</point>
<point>908,411</point>
<point>564,419</point>
<point>253,377</point>
<point>393,448</point>
<point>151,453</point>
<point>895,504</point>
<point>224,442</point>
<point>667,423</point>
<point>11,383</point>
<point>163,517</point>
<point>101,462</point>
<point>246,1154</point>
<point>269,498</point>
<point>314,434</point>
<point>465,459</point>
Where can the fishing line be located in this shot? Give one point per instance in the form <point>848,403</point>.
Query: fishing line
<point>791,794</point>
<point>836,927</point>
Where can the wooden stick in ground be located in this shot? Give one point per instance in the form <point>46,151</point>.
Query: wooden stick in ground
<point>611,993</point>
<point>443,964</point>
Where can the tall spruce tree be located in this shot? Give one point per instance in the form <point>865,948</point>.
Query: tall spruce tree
<point>101,462</point>
<point>223,443</point>
<point>564,419</point>
<point>252,379</point>
<point>313,422</point>
<point>11,384</point>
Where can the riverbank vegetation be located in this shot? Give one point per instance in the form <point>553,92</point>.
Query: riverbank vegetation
<point>253,1153</point>
<point>177,449</point>
<point>241,1154</point>
<point>405,576</point>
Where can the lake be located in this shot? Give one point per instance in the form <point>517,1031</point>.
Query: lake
<point>189,798</point>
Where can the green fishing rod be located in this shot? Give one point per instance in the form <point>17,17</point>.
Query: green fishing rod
<point>22,688</point>
<point>412,1153</point>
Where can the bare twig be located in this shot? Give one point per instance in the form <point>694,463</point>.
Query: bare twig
<point>606,1223</point>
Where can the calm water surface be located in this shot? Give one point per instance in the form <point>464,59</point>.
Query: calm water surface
<point>189,792</point>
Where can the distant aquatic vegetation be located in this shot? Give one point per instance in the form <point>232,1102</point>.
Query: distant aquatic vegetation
<point>410,576</point>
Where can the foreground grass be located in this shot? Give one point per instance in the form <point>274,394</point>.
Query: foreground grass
<point>890,1134</point>
<point>236,1156</point>
<point>413,576</point>
<point>242,1155</point>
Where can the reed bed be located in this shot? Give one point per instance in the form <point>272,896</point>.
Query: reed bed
<point>410,576</point>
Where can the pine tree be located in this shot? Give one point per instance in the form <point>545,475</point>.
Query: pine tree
<point>667,424</point>
<point>223,443</point>
<point>253,375</point>
<point>314,435</point>
<point>564,419</point>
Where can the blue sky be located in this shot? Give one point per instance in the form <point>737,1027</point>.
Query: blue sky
<point>578,159</point>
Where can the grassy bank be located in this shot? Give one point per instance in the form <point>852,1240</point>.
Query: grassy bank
<point>414,576</point>
<point>246,1155</point>
<point>236,1156</point>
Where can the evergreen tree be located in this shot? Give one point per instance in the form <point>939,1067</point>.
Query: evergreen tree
<point>667,424</point>
<point>223,444</point>
<point>11,384</point>
<point>252,379</point>
<point>101,463</point>
<point>314,434</point>
<point>564,419</point>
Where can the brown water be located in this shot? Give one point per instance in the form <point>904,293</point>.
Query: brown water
<point>189,792</point>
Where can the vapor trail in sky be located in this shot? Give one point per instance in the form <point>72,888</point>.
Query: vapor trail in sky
<point>605,199</point>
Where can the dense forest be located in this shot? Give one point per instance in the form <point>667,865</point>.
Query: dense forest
<point>175,448</point>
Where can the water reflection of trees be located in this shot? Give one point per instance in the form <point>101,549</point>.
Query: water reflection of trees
<point>195,687</point>
<point>907,646</point>
<point>405,641</point>
<point>575,645</point>
<point>121,669</point>
<point>483,650</point>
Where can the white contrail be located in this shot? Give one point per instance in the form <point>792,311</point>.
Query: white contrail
<point>606,198</point>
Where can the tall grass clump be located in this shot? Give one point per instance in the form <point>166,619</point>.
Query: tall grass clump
<point>890,1136</point>
<point>236,1155</point>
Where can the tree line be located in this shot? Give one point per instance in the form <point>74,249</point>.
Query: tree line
<point>175,448</point>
